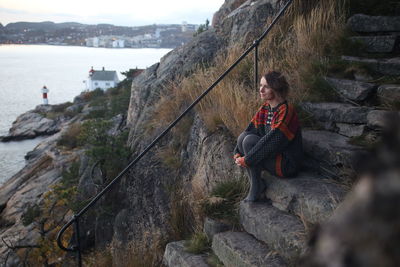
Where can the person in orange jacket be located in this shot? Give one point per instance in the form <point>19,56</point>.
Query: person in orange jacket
<point>272,140</point>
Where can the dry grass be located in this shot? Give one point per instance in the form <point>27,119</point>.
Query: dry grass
<point>299,46</point>
<point>146,252</point>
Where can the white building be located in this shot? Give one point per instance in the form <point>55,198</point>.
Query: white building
<point>102,79</point>
<point>118,43</point>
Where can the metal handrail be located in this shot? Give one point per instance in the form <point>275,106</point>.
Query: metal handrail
<point>75,219</point>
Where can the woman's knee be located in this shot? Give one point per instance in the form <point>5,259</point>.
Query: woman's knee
<point>249,142</point>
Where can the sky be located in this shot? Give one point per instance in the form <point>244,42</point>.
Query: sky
<point>117,12</point>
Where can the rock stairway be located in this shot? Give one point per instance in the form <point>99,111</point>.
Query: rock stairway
<point>276,231</point>
<point>241,249</point>
<point>281,230</point>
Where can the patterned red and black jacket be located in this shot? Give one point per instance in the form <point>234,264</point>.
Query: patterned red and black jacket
<point>280,148</point>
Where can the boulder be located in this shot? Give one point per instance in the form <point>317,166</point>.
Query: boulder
<point>307,195</point>
<point>389,66</point>
<point>236,249</point>
<point>327,147</point>
<point>370,24</point>
<point>175,255</point>
<point>353,90</point>
<point>30,125</point>
<point>377,44</point>
<point>337,112</point>
<point>281,231</point>
<point>389,93</point>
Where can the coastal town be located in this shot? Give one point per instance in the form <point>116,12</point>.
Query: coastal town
<point>100,35</point>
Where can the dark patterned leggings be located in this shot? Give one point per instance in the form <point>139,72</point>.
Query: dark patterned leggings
<point>246,141</point>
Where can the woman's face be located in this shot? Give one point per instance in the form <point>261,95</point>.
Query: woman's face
<point>266,92</point>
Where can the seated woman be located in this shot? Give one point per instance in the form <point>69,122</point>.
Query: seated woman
<point>272,141</point>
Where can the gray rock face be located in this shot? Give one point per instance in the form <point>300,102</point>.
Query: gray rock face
<point>337,112</point>
<point>389,93</point>
<point>175,255</point>
<point>330,148</point>
<point>306,196</point>
<point>236,249</point>
<point>383,66</point>
<point>370,24</point>
<point>212,227</point>
<point>353,90</point>
<point>147,87</point>
<point>225,9</point>
<point>281,231</point>
<point>377,44</point>
<point>247,21</point>
<point>25,188</point>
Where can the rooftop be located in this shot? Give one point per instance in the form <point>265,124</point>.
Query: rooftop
<point>104,75</point>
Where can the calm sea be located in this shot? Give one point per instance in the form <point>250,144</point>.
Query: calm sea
<point>25,69</point>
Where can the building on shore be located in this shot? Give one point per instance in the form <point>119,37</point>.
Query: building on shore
<point>102,79</point>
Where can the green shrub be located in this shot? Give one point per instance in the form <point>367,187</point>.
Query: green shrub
<point>96,114</point>
<point>61,107</point>
<point>70,139</point>
<point>111,150</point>
<point>31,213</point>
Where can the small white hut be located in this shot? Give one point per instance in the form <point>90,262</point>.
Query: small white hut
<point>102,79</point>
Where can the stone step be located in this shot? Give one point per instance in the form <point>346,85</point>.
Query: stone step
<point>337,112</point>
<point>372,24</point>
<point>307,196</point>
<point>377,44</point>
<point>236,249</point>
<point>389,66</point>
<point>353,90</point>
<point>327,147</point>
<point>175,255</point>
<point>280,230</point>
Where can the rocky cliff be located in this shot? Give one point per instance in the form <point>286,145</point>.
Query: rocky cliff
<point>157,201</point>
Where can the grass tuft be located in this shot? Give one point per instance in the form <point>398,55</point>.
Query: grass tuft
<point>199,243</point>
<point>224,201</point>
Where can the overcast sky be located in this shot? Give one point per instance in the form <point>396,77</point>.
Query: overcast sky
<point>117,12</point>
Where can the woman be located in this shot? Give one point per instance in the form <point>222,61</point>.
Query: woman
<point>272,141</point>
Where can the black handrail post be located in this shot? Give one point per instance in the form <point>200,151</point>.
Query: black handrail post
<point>256,43</point>
<point>78,240</point>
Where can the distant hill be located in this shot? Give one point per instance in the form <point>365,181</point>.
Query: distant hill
<point>73,33</point>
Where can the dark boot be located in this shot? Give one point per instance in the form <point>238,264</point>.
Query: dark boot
<point>256,185</point>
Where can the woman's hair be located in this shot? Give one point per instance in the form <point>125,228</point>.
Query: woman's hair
<point>277,82</point>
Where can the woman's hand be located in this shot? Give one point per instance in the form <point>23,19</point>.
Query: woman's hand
<point>236,156</point>
<point>240,162</point>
